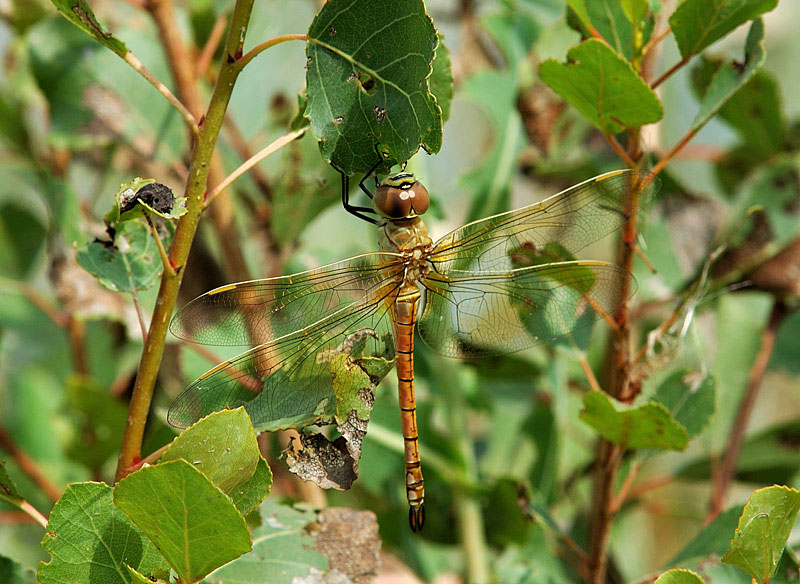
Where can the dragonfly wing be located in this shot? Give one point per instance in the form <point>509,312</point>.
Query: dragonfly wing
<point>474,314</point>
<point>255,312</point>
<point>294,379</point>
<point>566,223</point>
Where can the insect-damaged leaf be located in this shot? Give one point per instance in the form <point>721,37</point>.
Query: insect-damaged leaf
<point>79,13</point>
<point>367,82</point>
<point>334,463</point>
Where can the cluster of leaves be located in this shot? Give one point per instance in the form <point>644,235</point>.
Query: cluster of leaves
<point>370,96</point>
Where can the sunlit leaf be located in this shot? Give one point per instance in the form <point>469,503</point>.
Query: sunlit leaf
<point>731,77</point>
<point>679,577</point>
<point>223,447</point>
<point>647,426</point>
<point>91,541</point>
<point>698,23</point>
<point>283,551</point>
<point>603,87</point>
<point>192,523</point>
<point>367,82</point>
<point>764,527</point>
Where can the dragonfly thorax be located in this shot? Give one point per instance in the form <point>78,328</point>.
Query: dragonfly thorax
<point>400,196</point>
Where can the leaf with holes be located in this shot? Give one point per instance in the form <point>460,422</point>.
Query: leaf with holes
<point>603,87</point>
<point>79,13</point>
<point>367,82</point>
<point>764,527</point>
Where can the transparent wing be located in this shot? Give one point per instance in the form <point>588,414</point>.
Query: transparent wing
<point>570,220</point>
<point>255,312</point>
<point>292,379</point>
<point>474,314</point>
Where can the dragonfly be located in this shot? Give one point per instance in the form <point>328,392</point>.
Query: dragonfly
<point>491,287</point>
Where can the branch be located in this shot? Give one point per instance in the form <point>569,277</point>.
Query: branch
<point>620,151</point>
<point>259,48</point>
<point>668,73</point>
<point>724,475</point>
<point>255,159</point>
<point>187,225</point>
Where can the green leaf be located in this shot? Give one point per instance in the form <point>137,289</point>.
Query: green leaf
<point>13,573</point>
<point>367,82</point>
<point>79,13</point>
<point>91,541</point>
<point>755,111</point>
<point>8,490</point>
<point>690,398</point>
<point>137,578</point>
<point>192,523</point>
<point>731,77</point>
<point>441,80</point>
<point>647,426</point>
<point>712,540</point>
<point>283,551</point>
<point>698,23</point>
<point>763,530</point>
<point>223,447</point>
<point>679,577</point>
<point>609,19</point>
<point>130,263</point>
<point>603,87</point>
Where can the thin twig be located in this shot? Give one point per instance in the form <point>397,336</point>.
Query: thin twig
<point>134,62</point>
<point>668,73</point>
<point>724,475</point>
<point>28,466</point>
<point>622,494</point>
<point>160,245</point>
<point>675,149</point>
<point>587,371</point>
<point>620,150</point>
<point>139,314</point>
<point>271,148</point>
<point>34,513</point>
<point>261,47</point>
<point>655,39</point>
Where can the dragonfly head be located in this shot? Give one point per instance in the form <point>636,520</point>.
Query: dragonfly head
<point>401,196</point>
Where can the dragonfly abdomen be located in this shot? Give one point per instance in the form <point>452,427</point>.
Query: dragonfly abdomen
<point>415,485</point>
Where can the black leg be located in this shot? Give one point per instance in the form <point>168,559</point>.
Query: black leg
<point>353,209</point>
<point>361,184</point>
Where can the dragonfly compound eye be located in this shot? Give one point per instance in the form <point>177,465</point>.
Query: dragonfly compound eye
<point>401,196</point>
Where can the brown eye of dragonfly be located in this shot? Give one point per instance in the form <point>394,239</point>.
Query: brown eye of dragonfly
<point>401,196</point>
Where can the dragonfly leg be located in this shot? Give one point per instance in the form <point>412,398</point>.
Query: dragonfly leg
<point>372,170</point>
<point>354,209</point>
